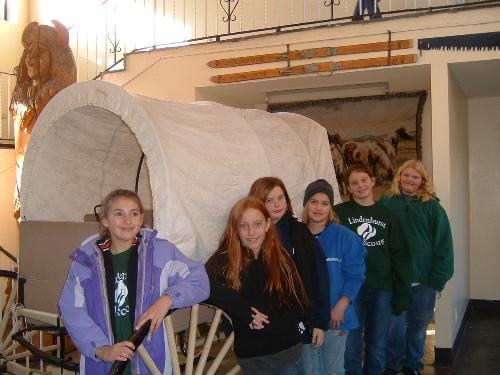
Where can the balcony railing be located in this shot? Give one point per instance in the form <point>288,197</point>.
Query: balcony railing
<point>118,27</point>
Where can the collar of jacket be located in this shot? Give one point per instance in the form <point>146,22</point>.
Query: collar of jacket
<point>88,252</point>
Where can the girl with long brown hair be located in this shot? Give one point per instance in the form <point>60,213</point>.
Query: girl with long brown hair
<point>255,281</point>
<point>310,261</point>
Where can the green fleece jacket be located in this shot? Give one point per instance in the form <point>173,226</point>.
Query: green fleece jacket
<point>428,231</point>
<point>388,261</point>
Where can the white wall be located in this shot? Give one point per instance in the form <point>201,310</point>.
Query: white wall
<point>441,180</point>
<point>12,30</point>
<point>8,228</point>
<point>459,210</point>
<point>484,143</point>
<point>450,155</point>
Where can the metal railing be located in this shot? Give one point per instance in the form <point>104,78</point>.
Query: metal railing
<point>115,28</point>
<point>125,26</point>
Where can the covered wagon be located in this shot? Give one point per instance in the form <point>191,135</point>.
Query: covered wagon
<point>189,163</point>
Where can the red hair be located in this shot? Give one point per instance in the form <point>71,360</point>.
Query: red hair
<point>283,277</point>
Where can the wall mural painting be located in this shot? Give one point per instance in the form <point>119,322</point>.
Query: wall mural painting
<point>380,131</point>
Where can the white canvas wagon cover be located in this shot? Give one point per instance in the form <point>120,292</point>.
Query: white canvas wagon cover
<point>200,159</point>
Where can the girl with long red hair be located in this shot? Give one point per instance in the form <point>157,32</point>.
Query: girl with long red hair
<point>255,281</point>
<point>310,261</point>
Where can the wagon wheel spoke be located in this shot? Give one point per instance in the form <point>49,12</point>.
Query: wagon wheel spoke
<point>199,314</point>
<point>20,344</point>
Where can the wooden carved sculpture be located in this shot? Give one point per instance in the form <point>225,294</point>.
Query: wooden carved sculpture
<point>47,66</point>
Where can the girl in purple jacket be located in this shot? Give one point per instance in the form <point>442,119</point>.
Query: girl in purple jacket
<point>118,280</point>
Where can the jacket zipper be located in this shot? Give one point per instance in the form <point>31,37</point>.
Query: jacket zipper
<point>102,279</point>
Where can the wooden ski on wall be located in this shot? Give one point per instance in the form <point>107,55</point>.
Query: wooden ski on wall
<point>311,53</point>
<point>322,67</point>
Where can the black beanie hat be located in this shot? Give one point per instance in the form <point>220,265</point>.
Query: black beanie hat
<point>318,186</point>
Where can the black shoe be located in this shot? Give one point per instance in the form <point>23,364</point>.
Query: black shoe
<point>411,371</point>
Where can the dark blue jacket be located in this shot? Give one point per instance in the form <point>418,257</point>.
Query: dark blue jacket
<point>310,261</point>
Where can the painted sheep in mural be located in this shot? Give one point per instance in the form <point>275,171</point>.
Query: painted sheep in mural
<point>378,152</point>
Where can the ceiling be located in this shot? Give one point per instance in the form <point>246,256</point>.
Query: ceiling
<point>250,93</point>
<point>476,79</point>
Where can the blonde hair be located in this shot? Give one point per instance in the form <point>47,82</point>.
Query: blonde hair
<point>424,192</point>
<point>332,216</point>
<point>108,201</point>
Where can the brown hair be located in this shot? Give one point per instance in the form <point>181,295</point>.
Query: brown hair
<point>283,277</point>
<point>108,201</point>
<point>425,192</point>
<point>360,168</point>
<point>263,186</point>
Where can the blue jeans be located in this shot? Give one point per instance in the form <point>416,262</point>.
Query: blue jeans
<point>331,353</point>
<point>292,370</point>
<point>370,6</point>
<point>374,312</point>
<point>285,360</point>
<point>406,339</point>
<point>308,363</point>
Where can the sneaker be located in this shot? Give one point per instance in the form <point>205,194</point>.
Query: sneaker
<point>410,371</point>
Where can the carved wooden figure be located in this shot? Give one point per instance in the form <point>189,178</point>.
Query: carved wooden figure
<point>47,66</point>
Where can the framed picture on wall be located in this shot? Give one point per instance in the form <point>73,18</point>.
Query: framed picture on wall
<point>381,131</point>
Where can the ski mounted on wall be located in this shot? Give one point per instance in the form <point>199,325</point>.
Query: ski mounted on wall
<point>310,53</point>
<point>490,41</point>
<point>323,67</point>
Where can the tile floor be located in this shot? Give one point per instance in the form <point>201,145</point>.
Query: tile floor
<point>478,352</point>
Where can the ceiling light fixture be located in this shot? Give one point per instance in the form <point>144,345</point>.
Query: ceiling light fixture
<point>331,92</point>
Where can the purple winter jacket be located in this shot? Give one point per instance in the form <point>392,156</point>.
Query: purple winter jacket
<point>162,270</point>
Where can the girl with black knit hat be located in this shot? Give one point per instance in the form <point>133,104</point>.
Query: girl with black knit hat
<point>345,255</point>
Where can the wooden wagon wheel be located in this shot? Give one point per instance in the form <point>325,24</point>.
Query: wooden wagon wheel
<point>23,345</point>
<point>177,322</point>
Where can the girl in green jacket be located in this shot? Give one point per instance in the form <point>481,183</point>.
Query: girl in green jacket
<point>386,290</point>
<point>427,229</point>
